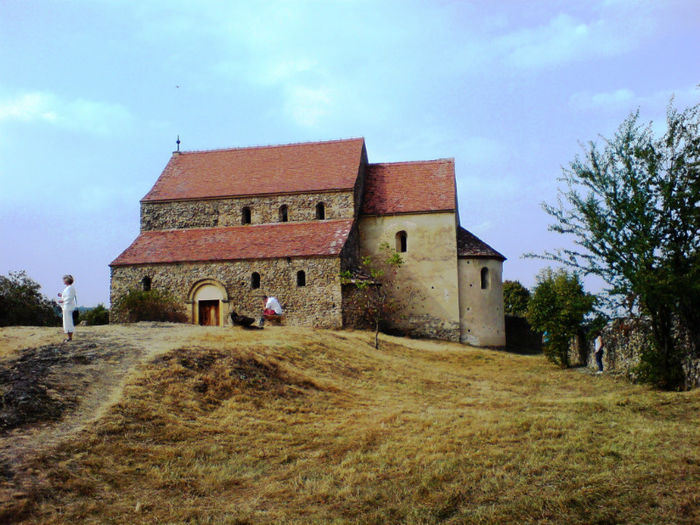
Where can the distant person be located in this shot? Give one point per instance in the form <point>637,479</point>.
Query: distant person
<point>69,302</point>
<point>271,308</point>
<point>599,348</point>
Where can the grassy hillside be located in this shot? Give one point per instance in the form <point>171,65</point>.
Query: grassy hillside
<point>291,425</point>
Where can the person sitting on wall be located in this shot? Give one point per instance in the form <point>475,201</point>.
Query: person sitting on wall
<point>271,309</point>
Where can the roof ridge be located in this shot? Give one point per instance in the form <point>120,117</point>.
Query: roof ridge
<point>270,146</point>
<point>431,161</point>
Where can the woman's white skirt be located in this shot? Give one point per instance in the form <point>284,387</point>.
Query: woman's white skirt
<point>68,326</point>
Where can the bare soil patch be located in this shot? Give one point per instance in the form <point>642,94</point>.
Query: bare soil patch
<point>43,383</point>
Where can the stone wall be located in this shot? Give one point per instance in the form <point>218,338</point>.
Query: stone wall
<point>354,312</point>
<point>210,213</point>
<point>624,341</point>
<point>425,287</point>
<point>319,303</point>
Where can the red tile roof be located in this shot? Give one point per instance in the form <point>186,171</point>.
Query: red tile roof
<point>405,187</point>
<point>263,241</point>
<point>469,245</point>
<point>305,167</point>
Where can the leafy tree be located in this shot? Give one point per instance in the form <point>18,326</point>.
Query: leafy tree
<point>558,306</point>
<point>515,298</point>
<point>632,206</point>
<point>95,316</point>
<point>374,281</point>
<point>21,303</point>
<point>152,305</point>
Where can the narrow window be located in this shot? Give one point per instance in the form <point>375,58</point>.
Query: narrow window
<point>146,284</point>
<point>255,280</point>
<point>484,278</point>
<point>320,211</point>
<point>245,215</point>
<point>301,278</point>
<point>283,213</point>
<point>401,243</point>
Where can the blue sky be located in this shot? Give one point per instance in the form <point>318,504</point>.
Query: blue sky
<point>94,93</point>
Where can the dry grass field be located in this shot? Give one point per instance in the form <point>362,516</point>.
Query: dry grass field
<point>182,424</point>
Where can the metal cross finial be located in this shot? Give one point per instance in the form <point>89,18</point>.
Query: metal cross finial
<point>178,143</point>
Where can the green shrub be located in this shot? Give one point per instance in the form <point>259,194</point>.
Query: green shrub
<point>558,306</point>
<point>95,316</point>
<point>515,298</point>
<point>153,305</point>
<point>21,303</point>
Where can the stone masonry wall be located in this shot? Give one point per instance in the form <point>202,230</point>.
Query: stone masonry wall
<point>210,213</point>
<point>354,315</point>
<point>425,288</point>
<point>415,325</point>
<point>624,341</point>
<point>319,303</point>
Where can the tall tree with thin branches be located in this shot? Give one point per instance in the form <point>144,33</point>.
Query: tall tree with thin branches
<point>631,204</point>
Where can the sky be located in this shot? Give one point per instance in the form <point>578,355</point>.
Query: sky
<point>93,95</point>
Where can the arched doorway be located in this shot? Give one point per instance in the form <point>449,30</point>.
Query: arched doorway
<point>208,298</point>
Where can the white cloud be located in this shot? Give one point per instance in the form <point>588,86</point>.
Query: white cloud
<point>625,99</point>
<point>307,106</point>
<point>565,39</point>
<point>78,115</point>
<point>617,98</point>
<point>28,107</point>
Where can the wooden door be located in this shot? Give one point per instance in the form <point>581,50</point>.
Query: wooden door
<point>209,313</point>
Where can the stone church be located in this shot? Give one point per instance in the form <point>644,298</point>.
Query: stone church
<point>221,228</point>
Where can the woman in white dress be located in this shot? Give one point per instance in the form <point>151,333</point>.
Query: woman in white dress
<point>69,302</point>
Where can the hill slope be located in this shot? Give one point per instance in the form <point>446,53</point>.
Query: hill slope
<point>184,424</point>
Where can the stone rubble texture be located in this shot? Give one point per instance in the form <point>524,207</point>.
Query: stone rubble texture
<point>229,212</point>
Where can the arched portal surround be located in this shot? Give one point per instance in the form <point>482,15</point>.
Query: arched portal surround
<point>208,298</point>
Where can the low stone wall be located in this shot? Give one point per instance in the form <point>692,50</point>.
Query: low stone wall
<point>210,213</point>
<point>425,326</point>
<point>624,341</point>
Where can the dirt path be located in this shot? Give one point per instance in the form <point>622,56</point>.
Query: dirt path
<point>76,383</point>
<point>82,378</point>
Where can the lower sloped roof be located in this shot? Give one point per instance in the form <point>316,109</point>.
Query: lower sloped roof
<point>469,245</point>
<point>263,241</point>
